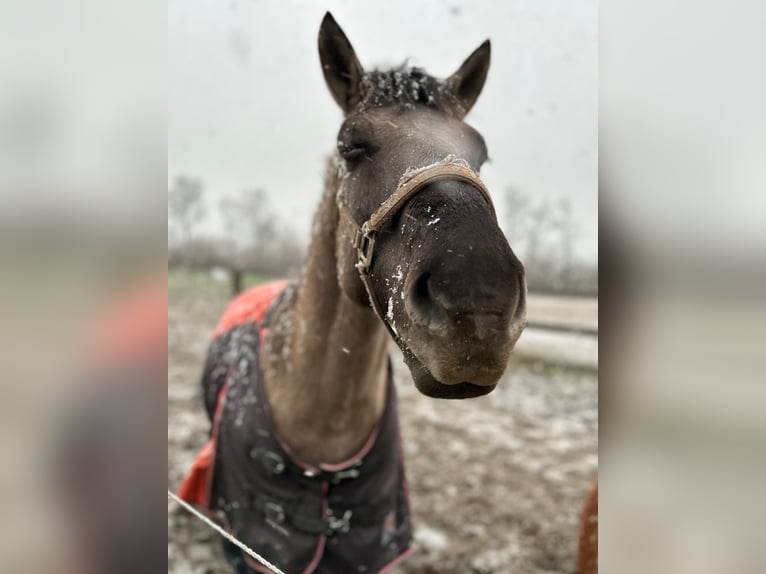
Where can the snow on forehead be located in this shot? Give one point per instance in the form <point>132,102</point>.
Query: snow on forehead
<point>406,87</point>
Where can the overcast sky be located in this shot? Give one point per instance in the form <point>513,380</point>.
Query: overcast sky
<point>248,106</point>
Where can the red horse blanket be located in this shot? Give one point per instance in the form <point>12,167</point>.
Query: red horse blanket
<point>331,518</point>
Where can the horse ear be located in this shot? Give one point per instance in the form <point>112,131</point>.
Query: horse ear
<point>342,70</point>
<point>468,81</point>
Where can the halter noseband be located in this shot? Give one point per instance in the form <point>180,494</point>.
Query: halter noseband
<point>363,237</point>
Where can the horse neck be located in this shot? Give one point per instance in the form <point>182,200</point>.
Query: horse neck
<point>326,362</point>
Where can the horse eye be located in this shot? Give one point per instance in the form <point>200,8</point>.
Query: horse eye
<point>353,152</point>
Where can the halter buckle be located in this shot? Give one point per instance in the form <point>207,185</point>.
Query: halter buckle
<point>365,242</point>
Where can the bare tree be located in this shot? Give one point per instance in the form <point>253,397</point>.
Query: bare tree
<point>543,233</point>
<point>251,223</point>
<point>249,219</point>
<point>251,242</point>
<point>519,223</point>
<point>566,228</point>
<point>529,223</point>
<point>185,207</point>
<point>201,253</point>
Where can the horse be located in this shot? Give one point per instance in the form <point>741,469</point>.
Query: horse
<point>305,462</point>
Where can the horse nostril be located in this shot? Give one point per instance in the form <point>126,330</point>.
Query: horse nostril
<point>423,308</point>
<point>419,290</point>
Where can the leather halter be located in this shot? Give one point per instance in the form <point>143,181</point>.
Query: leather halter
<point>363,237</point>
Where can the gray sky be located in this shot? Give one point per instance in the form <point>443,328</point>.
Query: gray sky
<point>248,106</point>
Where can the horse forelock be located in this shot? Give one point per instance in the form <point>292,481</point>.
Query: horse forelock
<point>406,87</point>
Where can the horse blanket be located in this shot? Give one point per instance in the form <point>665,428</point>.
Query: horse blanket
<point>332,518</point>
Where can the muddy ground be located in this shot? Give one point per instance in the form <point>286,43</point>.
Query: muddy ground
<point>496,482</point>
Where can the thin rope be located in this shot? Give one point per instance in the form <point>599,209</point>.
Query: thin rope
<point>225,534</point>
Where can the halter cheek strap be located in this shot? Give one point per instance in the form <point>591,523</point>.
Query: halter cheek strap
<point>363,237</point>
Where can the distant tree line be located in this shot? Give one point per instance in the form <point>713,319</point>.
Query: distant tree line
<point>542,233</point>
<point>253,240</point>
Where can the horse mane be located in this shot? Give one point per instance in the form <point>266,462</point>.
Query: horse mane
<point>406,87</point>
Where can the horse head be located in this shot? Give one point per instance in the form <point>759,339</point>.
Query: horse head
<point>417,236</point>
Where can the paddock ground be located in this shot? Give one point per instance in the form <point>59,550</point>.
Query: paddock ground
<point>496,482</point>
